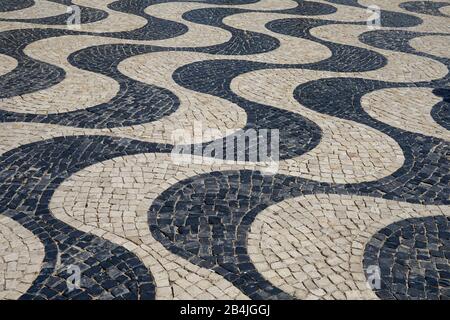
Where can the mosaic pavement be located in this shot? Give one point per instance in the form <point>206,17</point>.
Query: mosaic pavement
<point>87,177</point>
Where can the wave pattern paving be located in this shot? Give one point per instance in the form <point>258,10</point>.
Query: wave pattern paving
<point>87,180</point>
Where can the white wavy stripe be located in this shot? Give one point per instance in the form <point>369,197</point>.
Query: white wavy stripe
<point>312,246</point>
<point>21,257</point>
<point>434,45</point>
<point>7,64</point>
<point>405,108</point>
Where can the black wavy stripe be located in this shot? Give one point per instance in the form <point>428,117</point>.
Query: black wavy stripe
<point>441,113</point>
<point>29,175</point>
<point>344,58</point>
<point>107,270</point>
<point>205,220</point>
<point>413,259</point>
<point>353,3</point>
<point>40,75</point>
<point>297,134</point>
<point>309,8</point>
<point>242,42</point>
<point>425,174</point>
<point>199,217</point>
<point>222,2</point>
<point>154,29</point>
<point>135,103</point>
<point>389,19</point>
<point>399,41</point>
<point>425,7</point>
<point>30,75</point>
<point>11,5</point>
<point>87,15</point>
<point>214,77</point>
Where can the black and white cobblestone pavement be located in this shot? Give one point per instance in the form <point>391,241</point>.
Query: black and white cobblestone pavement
<point>358,207</point>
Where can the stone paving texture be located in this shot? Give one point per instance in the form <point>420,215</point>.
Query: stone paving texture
<point>87,176</point>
